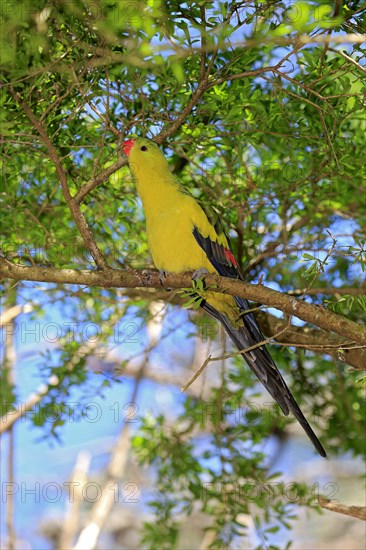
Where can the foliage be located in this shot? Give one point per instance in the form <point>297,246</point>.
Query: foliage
<point>262,115</point>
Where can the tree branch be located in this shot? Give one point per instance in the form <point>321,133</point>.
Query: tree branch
<point>358,512</point>
<point>113,278</point>
<point>203,85</point>
<point>12,416</point>
<point>98,179</point>
<point>70,200</point>
<point>342,291</point>
<point>350,59</point>
<point>315,340</point>
<point>9,314</point>
<point>78,481</point>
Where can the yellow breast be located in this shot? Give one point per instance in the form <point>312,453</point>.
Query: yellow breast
<point>171,241</point>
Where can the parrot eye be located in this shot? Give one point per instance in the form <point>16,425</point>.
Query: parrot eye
<point>144,148</point>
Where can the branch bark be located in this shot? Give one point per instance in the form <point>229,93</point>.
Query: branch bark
<point>113,278</point>
<point>315,340</point>
<point>342,291</point>
<point>358,512</point>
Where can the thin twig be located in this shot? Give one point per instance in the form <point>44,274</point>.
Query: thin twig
<point>322,263</point>
<point>323,347</point>
<point>159,138</point>
<point>234,354</point>
<point>203,43</point>
<point>349,58</point>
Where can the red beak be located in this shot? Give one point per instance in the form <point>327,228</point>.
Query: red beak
<point>127,146</point>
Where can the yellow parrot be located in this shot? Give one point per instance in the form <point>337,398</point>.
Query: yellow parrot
<point>185,235</point>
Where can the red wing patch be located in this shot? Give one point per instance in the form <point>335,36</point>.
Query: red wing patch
<point>220,257</point>
<point>230,257</point>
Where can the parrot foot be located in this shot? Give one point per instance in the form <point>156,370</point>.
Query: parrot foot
<point>199,274</point>
<point>162,276</point>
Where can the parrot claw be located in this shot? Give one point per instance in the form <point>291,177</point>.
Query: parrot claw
<point>199,274</point>
<point>162,276</point>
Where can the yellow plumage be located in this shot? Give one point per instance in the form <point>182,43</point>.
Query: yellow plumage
<point>171,215</point>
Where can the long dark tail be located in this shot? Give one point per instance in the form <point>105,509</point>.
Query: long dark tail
<point>262,364</point>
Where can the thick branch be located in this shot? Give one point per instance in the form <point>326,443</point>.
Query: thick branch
<point>11,313</point>
<point>358,512</point>
<point>315,340</point>
<point>113,278</point>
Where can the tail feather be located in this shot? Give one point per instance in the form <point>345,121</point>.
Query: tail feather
<point>263,366</point>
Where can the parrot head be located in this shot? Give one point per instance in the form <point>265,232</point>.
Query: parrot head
<point>143,154</point>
